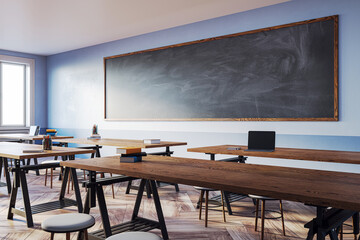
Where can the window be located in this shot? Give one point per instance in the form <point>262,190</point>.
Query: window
<point>16,92</point>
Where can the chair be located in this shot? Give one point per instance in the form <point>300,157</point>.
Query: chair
<point>263,201</point>
<point>68,223</point>
<point>206,191</point>
<point>134,236</point>
<point>51,171</point>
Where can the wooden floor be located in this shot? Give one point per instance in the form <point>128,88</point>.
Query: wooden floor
<point>179,210</point>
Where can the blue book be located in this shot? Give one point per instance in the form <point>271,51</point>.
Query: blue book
<point>130,159</point>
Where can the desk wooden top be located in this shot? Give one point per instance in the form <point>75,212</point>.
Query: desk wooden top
<point>15,151</point>
<point>287,153</point>
<point>123,143</point>
<point>27,137</point>
<point>324,188</point>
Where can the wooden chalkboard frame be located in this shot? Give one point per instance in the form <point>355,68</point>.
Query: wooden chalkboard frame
<point>336,107</point>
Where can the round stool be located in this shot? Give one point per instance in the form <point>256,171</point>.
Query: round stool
<point>67,223</point>
<point>134,236</point>
<point>264,199</point>
<point>206,191</point>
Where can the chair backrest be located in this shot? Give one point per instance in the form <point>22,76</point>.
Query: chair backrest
<point>34,130</point>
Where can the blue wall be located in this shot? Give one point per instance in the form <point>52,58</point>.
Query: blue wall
<point>76,93</point>
<point>41,115</point>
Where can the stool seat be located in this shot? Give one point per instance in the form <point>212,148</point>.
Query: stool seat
<point>134,236</point>
<point>204,188</point>
<point>70,222</point>
<point>50,161</point>
<point>261,197</point>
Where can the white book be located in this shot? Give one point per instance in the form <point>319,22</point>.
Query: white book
<point>33,151</point>
<point>95,136</point>
<point>234,148</point>
<point>128,150</point>
<point>151,141</point>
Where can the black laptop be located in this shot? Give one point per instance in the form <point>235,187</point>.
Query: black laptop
<point>261,141</point>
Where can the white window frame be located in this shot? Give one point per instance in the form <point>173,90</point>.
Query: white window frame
<point>30,91</point>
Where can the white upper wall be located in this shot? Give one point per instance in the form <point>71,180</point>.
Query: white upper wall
<point>46,27</point>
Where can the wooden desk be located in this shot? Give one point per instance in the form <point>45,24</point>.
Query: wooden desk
<point>123,143</point>
<point>128,143</point>
<point>282,153</point>
<point>26,137</point>
<point>15,151</point>
<point>320,188</point>
<point>286,153</point>
<point>30,139</point>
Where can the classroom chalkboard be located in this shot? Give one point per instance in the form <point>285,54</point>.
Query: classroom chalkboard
<point>281,73</point>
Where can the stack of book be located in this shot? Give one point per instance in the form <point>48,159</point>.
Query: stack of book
<point>51,132</point>
<point>94,136</point>
<point>151,141</point>
<point>130,155</point>
<point>33,151</point>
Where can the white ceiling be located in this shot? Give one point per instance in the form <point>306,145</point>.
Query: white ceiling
<point>47,27</point>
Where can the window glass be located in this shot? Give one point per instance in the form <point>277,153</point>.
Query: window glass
<point>12,94</point>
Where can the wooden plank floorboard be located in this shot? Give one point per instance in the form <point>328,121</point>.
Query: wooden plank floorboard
<point>179,209</point>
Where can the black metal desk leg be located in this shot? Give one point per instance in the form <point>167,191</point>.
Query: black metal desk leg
<point>97,151</point>
<point>320,211</point>
<point>138,199</point>
<point>103,210</point>
<point>7,174</point>
<point>168,152</point>
<point>227,202</point>
<point>90,200</point>
<point>176,187</point>
<point>64,182</point>
<point>356,224</point>
<point>148,189</point>
<point>333,235</point>
<point>159,210</point>
<point>37,170</point>
<point>128,188</point>
<point>1,165</point>
<point>14,190</point>
<point>312,231</point>
<point>76,189</point>
<point>26,199</point>
<point>12,201</point>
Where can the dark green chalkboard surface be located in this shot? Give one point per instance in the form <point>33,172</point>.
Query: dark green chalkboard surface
<point>281,73</point>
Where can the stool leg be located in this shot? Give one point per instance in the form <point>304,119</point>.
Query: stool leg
<point>86,236</point>
<point>84,174</point>
<point>341,232</point>
<point>52,236</point>
<point>67,236</point>
<point>201,200</point>
<point>51,177</point>
<point>112,188</point>
<point>206,207</point>
<point>262,218</point>
<point>223,205</point>
<point>256,213</point>
<point>282,217</point>
<point>68,187</point>
<point>128,187</point>
<point>46,170</point>
<point>72,184</point>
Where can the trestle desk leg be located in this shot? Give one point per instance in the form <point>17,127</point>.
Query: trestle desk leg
<point>159,210</point>
<point>26,199</point>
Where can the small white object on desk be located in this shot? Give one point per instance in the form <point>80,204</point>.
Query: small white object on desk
<point>127,150</point>
<point>151,141</point>
<point>95,136</point>
<point>33,151</point>
<point>234,148</point>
